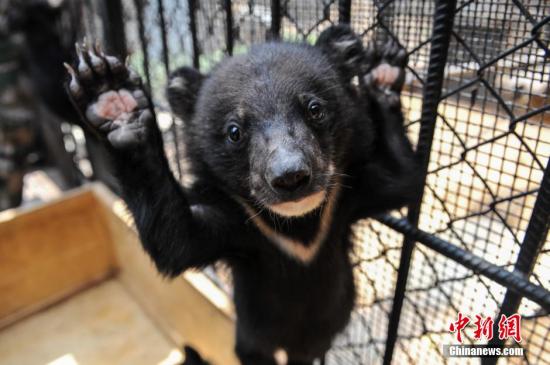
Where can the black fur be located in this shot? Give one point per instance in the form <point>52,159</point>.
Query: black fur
<point>281,302</point>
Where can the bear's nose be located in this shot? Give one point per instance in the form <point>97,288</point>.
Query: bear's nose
<point>288,170</point>
<point>291,180</point>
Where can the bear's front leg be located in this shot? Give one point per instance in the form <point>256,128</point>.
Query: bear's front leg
<point>392,177</point>
<point>110,99</point>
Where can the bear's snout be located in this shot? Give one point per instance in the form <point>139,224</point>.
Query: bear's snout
<point>288,171</point>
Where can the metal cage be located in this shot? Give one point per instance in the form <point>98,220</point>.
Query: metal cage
<point>476,101</point>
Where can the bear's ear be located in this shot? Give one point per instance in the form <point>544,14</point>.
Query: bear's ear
<point>182,91</point>
<point>344,49</point>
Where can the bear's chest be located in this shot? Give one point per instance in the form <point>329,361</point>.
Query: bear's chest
<point>284,301</point>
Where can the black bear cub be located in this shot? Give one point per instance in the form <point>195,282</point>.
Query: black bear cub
<point>289,145</point>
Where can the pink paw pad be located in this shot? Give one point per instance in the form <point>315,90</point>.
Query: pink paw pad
<point>385,75</point>
<point>115,105</point>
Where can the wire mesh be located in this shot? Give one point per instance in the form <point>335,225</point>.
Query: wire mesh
<point>489,151</point>
<point>485,168</point>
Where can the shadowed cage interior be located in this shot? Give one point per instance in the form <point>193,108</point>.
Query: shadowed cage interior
<point>489,150</point>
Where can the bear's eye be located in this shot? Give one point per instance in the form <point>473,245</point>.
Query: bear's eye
<point>234,133</point>
<point>315,110</point>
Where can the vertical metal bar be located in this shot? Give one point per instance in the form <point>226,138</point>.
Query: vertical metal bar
<point>192,8</point>
<point>114,36</point>
<point>138,4</point>
<point>535,237</point>
<point>113,28</point>
<point>166,61</point>
<point>163,36</point>
<point>441,35</point>
<point>344,11</point>
<point>89,26</point>
<point>229,40</point>
<point>275,19</point>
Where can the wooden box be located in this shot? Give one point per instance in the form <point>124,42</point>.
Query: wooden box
<point>82,249</point>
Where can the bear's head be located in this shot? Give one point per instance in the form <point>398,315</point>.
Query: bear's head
<point>271,127</point>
